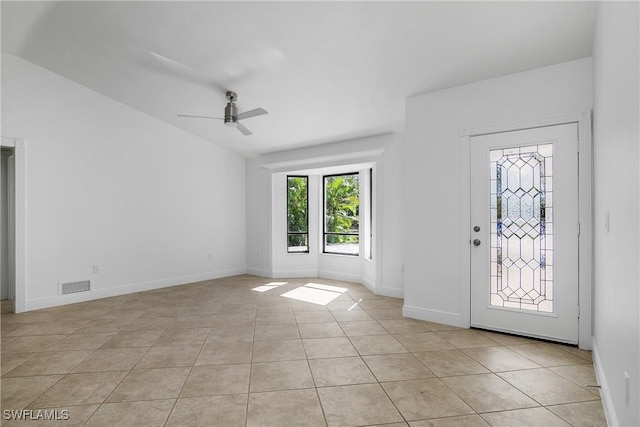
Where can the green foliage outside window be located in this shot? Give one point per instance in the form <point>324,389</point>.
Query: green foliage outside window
<point>342,206</point>
<point>297,212</point>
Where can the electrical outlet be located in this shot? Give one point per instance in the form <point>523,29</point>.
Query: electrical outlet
<point>96,269</point>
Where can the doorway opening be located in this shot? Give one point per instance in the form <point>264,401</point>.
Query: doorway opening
<point>7,229</point>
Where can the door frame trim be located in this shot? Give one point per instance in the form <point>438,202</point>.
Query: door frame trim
<point>585,211</point>
<point>19,149</point>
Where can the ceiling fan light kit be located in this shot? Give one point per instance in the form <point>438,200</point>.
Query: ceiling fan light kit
<point>231,115</point>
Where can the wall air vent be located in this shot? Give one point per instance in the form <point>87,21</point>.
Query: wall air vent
<point>74,287</point>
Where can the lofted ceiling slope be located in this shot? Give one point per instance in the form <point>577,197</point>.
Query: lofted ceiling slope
<point>325,71</point>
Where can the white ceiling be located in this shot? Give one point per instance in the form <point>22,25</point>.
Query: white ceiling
<point>325,71</point>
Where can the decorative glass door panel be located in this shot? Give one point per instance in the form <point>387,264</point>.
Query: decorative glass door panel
<point>521,185</point>
<point>524,232</point>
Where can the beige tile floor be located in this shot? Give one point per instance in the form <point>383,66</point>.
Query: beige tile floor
<point>235,352</point>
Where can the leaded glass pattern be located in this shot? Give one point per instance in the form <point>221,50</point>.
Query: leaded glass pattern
<point>522,227</point>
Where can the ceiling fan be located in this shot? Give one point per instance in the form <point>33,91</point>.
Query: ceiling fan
<point>231,115</point>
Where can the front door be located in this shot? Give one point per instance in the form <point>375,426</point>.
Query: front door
<point>524,232</point>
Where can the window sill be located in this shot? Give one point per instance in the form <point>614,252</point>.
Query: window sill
<point>340,255</point>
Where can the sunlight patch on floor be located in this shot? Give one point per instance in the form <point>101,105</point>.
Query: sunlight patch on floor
<point>315,293</point>
<point>355,305</point>
<point>269,286</point>
<point>327,287</point>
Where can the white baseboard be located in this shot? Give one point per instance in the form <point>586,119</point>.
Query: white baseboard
<point>385,292</point>
<point>94,294</point>
<point>369,284</point>
<point>605,393</point>
<point>283,274</point>
<point>335,275</point>
<point>391,292</point>
<point>262,272</point>
<point>36,304</point>
<point>444,317</point>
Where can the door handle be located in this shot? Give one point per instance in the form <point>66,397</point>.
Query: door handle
<point>476,242</point>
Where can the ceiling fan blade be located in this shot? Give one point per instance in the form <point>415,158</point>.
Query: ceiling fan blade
<point>252,113</point>
<point>167,66</point>
<point>199,117</point>
<point>242,128</point>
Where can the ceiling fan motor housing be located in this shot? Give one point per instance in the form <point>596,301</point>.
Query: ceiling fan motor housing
<point>231,114</point>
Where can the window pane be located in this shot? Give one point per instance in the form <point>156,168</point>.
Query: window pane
<point>342,244</point>
<point>342,203</point>
<point>521,228</point>
<point>298,243</point>
<point>297,204</point>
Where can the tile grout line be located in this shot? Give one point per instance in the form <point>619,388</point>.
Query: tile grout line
<point>315,386</point>
<point>134,365</point>
<point>124,377</point>
<point>374,376</point>
<point>59,379</point>
<point>253,341</point>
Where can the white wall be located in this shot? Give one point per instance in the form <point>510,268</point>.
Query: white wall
<point>266,179</point>
<point>390,219</point>
<point>436,289</point>
<point>113,187</point>
<point>258,218</point>
<point>616,195</point>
